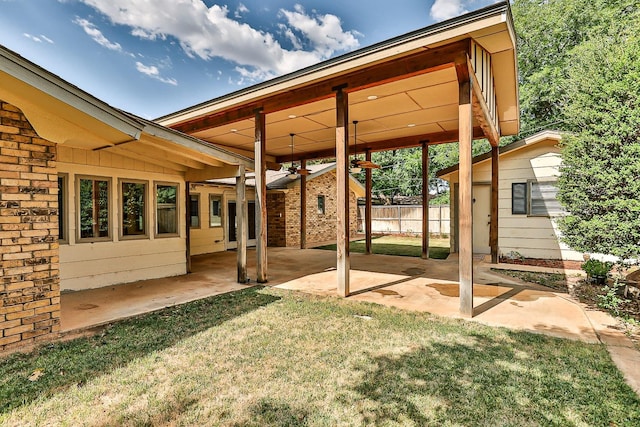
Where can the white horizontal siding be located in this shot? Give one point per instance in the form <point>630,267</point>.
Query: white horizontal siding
<point>531,236</point>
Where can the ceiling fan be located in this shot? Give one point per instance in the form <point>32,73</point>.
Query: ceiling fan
<point>356,164</point>
<point>294,171</point>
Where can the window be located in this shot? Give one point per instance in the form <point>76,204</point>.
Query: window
<point>166,209</point>
<point>215,211</point>
<point>320,205</point>
<point>93,208</point>
<point>519,201</point>
<point>543,201</point>
<point>62,209</point>
<point>535,198</point>
<point>194,211</point>
<point>133,195</point>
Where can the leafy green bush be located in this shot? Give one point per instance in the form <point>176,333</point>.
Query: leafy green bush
<point>597,268</point>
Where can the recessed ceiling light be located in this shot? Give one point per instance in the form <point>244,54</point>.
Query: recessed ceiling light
<point>372,97</point>
<point>411,125</point>
<point>292,116</point>
<point>234,130</point>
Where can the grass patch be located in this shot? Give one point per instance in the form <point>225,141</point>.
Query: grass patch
<point>399,246</point>
<point>555,281</point>
<point>286,359</point>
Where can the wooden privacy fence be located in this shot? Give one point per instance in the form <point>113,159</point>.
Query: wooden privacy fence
<point>406,219</point>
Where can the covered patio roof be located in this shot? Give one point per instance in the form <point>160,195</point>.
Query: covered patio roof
<point>402,92</point>
<point>453,81</point>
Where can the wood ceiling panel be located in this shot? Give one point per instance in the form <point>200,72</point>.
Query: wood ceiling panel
<point>449,125</point>
<point>298,125</point>
<point>435,96</point>
<point>417,82</point>
<point>400,133</point>
<point>381,107</point>
<point>419,117</point>
<point>242,126</point>
<point>302,110</point>
<point>233,138</point>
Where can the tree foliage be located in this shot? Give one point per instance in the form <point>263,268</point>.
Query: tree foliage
<point>600,180</point>
<point>579,71</point>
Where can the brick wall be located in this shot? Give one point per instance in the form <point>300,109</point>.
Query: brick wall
<point>320,228</point>
<point>276,220</point>
<point>30,283</point>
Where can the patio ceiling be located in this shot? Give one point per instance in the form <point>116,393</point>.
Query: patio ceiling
<point>401,92</point>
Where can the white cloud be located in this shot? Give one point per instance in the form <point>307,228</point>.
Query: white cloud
<point>34,38</point>
<point>153,72</point>
<point>97,35</point>
<point>240,10</point>
<point>38,39</point>
<point>208,32</point>
<point>323,31</point>
<point>445,9</point>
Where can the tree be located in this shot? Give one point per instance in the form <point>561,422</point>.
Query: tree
<point>600,177</point>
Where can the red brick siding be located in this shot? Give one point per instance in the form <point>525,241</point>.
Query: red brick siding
<point>276,220</point>
<point>29,260</point>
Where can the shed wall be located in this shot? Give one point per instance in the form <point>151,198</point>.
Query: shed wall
<point>529,236</point>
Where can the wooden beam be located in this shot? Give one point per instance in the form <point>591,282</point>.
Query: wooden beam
<point>396,69</point>
<point>465,189</point>
<point>425,200</point>
<point>391,144</point>
<point>242,221</point>
<point>493,228</point>
<point>342,197</point>
<point>481,110</point>
<point>303,207</point>
<point>188,222</point>
<point>261,196</point>
<point>368,182</point>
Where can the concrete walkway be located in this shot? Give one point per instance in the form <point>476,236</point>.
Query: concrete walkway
<point>402,282</point>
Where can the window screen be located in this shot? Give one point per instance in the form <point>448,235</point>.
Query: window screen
<point>519,200</point>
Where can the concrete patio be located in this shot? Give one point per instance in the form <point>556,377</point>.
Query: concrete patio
<point>402,282</point>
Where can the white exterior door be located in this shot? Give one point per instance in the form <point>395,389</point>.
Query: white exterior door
<point>481,218</point>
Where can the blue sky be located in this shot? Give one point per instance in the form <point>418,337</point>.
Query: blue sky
<point>154,57</point>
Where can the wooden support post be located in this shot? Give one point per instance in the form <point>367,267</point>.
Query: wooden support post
<point>425,200</point>
<point>465,203</point>
<point>493,230</point>
<point>303,206</point>
<point>367,205</point>
<point>342,200</point>
<point>187,193</point>
<point>242,221</point>
<point>261,197</point>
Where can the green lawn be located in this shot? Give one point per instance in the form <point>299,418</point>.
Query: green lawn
<point>400,246</point>
<point>267,357</point>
